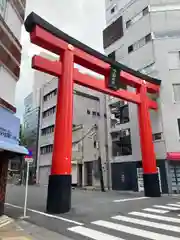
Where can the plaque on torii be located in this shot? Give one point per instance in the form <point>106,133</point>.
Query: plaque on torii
<point>71,51</point>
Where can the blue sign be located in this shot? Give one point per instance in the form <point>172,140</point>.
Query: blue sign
<point>30,153</point>
<point>9,127</point>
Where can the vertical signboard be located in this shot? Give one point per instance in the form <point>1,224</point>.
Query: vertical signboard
<point>114,79</point>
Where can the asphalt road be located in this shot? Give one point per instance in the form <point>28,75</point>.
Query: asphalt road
<point>92,212</point>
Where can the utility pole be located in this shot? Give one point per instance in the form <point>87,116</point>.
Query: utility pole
<point>99,158</point>
<point>96,127</point>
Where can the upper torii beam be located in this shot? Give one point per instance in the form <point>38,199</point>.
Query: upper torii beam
<point>72,51</point>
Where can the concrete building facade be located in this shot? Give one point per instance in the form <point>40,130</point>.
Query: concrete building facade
<point>31,117</point>
<point>11,20</point>
<point>88,143</point>
<point>144,35</point>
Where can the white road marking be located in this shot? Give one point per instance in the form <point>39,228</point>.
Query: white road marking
<point>166,207</point>
<point>12,205</point>
<point>174,205</point>
<point>155,210</point>
<point>46,214</point>
<point>5,220</point>
<point>134,231</point>
<point>93,234</point>
<point>6,223</point>
<point>147,223</point>
<point>130,199</point>
<point>157,217</point>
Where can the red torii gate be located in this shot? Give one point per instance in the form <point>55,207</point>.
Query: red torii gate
<point>72,51</point>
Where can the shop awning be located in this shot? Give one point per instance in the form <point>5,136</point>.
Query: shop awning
<point>13,148</point>
<point>173,156</point>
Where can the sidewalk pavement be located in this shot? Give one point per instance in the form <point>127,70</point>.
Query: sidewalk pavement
<point>21,230</point>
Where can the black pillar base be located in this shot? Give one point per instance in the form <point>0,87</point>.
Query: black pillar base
<point>1,208</point>
<point>151,185</point>
<point>59,194</point>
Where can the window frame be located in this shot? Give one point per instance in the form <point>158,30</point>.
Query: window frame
<point>174,94</point>
<point>178,122</point>
<point>3,6</point>
<point>156,134</point>
<point>137,17</point>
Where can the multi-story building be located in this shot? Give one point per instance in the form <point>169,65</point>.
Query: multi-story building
<point>145,35</point>
<point>31,129</point>
<point>31,116</point>
<point>89,109</point>
<point>11,20</point>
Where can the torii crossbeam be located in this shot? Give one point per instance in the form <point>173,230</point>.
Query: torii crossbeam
<point>72,51</point>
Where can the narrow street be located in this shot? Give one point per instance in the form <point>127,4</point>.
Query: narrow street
<point>97,215</point>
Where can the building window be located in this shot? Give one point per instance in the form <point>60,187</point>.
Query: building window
<point>178,120</point>
<point>98,114</point>
<point>140,43</point>
<point>130,49</point>
<point>145,11</point>
<point>137,17</point>
<point>2,7</point>
<point>49,112</point>
<point>75,147</point>
<point>157,136</point>
<point>113,32</point>
<point>112,55</point>
<point>174,60</point>
<point>50,95</point>
<point>112,10</point>
<point>176,90</point>
<point>88,111</point>
<point>148,38</point>
<point>119,113</point>
<point>47,149</point>
<point>128,23</point>
<point>121,143</point>
<point>47,130</point>
<point>94,113</point>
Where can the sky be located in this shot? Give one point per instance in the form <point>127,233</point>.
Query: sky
<point>81,19</point>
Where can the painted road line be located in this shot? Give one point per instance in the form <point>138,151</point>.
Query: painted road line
<point>130,199</point>
<point>6,223</point>
<point>46,214</point>
<point>173,205</point>
<point>166,207</point>
<point>5,220</point>
<point>155,210</point>
<point>157,217</point>
<point>93,234</point>
<point>12,205</point>
<point>147,223</point>
<point>134,231</point>
<point>17,238</point>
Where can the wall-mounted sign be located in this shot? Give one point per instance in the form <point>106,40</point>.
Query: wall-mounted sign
<point>9,126</point>
<point>114,79</point>
<point>9,132</point>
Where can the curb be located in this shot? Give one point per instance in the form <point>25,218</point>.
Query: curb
<point>92,189</point>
